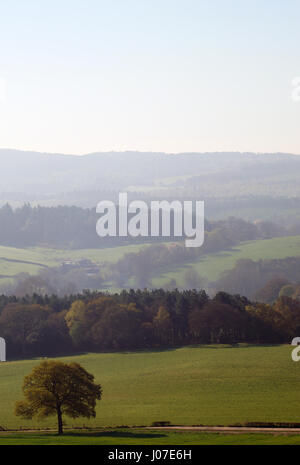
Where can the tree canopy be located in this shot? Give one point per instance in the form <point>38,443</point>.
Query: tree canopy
<point>57,388</point>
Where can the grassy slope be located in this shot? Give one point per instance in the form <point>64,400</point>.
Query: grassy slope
<point>211,266</point>
<point>53,257</point>
<point>211,385</point>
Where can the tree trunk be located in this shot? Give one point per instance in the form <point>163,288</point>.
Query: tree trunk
<point>59,421</point>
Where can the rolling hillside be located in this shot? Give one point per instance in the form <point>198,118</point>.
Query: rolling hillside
<point>32,260</point>
<point>210,385</point>
<point>211,266</point>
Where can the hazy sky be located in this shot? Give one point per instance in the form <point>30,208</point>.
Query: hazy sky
<point>150,75</point>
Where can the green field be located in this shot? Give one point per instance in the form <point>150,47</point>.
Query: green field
<point>211,266</point>
<point>32,260</point>
<point>210,385</point>
<point>146,437</point>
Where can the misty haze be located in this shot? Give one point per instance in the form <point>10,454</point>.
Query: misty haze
<point>149,224</point>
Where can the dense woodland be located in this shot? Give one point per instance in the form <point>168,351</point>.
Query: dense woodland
<point>75,227</point>
<point>48,325</point>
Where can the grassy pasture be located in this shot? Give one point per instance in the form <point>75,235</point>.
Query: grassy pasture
<point>32,260</point>
<point>211,266</point>
<point>209,385</point>
<point>141,437</point>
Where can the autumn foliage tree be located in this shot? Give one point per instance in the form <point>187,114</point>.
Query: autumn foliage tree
<point>56,388</point>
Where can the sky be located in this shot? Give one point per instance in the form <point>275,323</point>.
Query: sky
<point>150,75</point>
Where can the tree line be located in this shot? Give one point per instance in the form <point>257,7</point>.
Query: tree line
<point>29,226</point>
<point>134,269</point>
<point>141,319</point>
<point>263,279</point>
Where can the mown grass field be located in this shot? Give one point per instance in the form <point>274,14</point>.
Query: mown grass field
<point>142,437</point>
<point>209,385</point>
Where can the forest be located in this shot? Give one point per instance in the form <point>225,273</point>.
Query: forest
<point>30,226</point>
<point>141,320</point>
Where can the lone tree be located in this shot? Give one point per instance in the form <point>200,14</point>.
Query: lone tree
<point>59,388</point>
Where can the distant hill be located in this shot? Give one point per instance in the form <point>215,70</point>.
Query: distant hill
<point>39,177</point>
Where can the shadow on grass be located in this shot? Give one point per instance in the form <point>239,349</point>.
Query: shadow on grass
<point>216,346</point>
<point>243,345</point>
<point>115,434</point>
<point>40,358</point>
